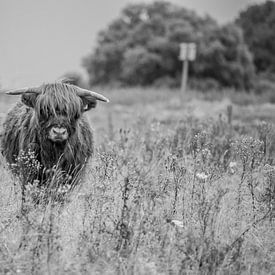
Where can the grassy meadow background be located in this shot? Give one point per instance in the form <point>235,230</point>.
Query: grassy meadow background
<point>175,187</point>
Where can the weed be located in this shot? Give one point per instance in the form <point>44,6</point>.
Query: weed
<point>189,198</point>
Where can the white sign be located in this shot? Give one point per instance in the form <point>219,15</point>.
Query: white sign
<point>188,51</point>
<point>192,51</point>
<point>183,51</point>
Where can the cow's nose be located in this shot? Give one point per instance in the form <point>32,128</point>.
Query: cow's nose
<point>58,134</point>
<point>59,131</point>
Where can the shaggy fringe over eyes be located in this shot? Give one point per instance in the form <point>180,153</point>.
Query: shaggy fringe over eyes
<point>59,98</point>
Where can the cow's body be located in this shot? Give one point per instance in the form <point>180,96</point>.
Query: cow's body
<point>51,124</point>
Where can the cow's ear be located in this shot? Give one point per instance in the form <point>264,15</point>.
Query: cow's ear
<point>89,102</point>
<point>29,99</point>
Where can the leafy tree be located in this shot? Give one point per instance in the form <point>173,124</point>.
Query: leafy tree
<point>142,46</point>
<point>258,24</point>
<point>139,66</point>
<point>224,56</point>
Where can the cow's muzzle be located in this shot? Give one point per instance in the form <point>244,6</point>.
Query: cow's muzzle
<point>58,134</point>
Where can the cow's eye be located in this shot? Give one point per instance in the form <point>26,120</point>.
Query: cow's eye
<point>43,115</point>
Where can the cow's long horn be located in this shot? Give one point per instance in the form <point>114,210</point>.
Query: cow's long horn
<point>84,92</point>
<point>22,91</point>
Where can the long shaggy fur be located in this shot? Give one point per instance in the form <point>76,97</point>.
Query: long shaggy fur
<point>26,128</point>
<point>57,99</point>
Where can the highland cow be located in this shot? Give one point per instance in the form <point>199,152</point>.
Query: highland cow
<point>50,122</point>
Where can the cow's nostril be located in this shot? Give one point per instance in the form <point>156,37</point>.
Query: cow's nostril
<point>59,131</point>
<point>58,134</point>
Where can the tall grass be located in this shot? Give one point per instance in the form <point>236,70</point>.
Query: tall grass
<point>193,197</point>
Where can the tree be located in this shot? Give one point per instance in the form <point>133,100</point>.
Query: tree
<point>142,46</point>
<point>258,24</point>
<point>224,56</point>
<point>140,66</point>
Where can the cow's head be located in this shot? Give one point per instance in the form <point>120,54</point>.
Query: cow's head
<point>58,107</point>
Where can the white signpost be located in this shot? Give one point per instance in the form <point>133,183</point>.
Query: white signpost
<point>187,53</point>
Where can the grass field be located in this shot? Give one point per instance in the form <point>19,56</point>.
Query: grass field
<point>174,188</point>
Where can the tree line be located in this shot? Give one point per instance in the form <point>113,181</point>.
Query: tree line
<point>141,47</point>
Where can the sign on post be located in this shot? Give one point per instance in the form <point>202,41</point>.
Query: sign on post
<point>192,51</point>
<point>183,51</point>
<point>187,53</point>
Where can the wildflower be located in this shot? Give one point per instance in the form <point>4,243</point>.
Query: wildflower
<point>177,223</point>
<point>232,167</point>
<point>233,164</point>
<point>202,176</point>
<point>269,168</point>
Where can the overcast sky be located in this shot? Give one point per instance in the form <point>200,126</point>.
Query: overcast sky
<point>40,40</point>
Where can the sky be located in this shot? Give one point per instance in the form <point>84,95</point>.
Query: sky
<point>41,40</point>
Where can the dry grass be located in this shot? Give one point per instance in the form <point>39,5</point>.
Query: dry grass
<point>169,191</point>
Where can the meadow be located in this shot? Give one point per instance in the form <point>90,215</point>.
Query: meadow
<point>176,186</point>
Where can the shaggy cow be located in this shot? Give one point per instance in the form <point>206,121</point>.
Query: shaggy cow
<point>50,122</point>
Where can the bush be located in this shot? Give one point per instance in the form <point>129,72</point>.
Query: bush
<point>258,23</point>
<point>262,86</point>
<point>204,84</point>
<point>142,46</point>
<point>75,79</point>
<point>223,56</point>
